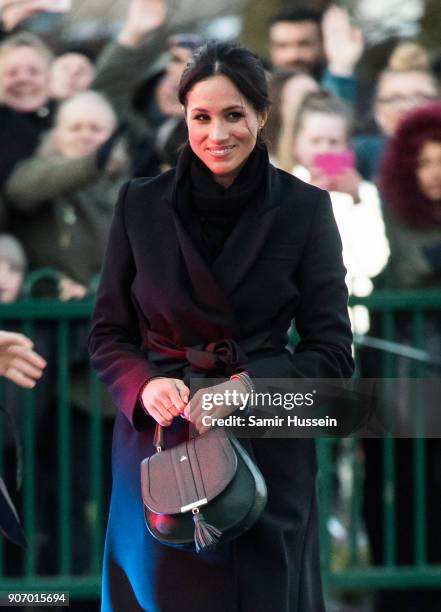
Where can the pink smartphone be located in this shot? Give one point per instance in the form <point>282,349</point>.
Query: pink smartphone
<point>334,164</point>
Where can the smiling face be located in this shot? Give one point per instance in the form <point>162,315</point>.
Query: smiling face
<point>428,171</point>
<point>82,126</point>
<point>24,79</point>
<point>296,45</point>
<point>222,127</point>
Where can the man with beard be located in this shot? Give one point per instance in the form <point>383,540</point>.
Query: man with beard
<point>326,46</point>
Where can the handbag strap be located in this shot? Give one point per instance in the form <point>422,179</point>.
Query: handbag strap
<point>159,437</point>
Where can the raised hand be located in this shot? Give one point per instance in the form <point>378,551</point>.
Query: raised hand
<point>343,43</point>
<point>18,362</point>
<point>14,12</point>
<point>143,17</point>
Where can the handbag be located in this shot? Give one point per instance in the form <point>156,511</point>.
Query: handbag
<point>202,492</point>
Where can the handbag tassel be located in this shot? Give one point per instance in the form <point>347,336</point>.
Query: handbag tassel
<point>205,535</point>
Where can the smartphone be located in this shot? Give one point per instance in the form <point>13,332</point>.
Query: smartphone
<point>335,164</point>
<point>57,6</point>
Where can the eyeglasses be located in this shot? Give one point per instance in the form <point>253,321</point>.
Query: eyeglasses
<point>417,98</point>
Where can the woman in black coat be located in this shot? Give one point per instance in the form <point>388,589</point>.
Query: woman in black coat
<point>206,267</point>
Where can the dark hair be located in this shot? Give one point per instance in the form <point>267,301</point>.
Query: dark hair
<point>299,15</point>
<point>243,67</point>
<point>398,181</point>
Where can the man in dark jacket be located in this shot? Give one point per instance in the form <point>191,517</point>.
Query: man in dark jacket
<point>25,108</point>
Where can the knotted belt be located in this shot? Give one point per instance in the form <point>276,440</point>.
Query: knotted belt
<point>222,356</point>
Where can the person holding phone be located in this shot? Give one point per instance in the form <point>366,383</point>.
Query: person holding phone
<point>321,155</point>
<point>206,266</point>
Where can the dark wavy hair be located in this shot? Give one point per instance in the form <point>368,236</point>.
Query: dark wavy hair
<point>398,180</point>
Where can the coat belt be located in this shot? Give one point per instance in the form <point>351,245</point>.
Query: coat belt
<point>223,356</point>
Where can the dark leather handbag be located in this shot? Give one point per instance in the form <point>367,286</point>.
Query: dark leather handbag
<point>201,493</point>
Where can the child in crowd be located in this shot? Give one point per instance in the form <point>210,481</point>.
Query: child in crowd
<point>321,156</point>
<point>12,268</point>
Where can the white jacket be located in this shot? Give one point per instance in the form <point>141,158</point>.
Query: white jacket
<point>365,246</point>
<point>361,227</point>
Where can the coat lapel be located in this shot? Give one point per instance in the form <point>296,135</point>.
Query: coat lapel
<point>206,290</point>
<point>212,285</point>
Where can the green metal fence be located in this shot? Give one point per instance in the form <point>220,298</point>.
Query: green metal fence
<point>59,318</point>
<point>345,565</point>
<point>404,330</point>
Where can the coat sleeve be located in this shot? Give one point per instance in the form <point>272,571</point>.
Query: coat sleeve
<point>115,339</point>
<point>321,317</point>
<point>120,64</point>
<point>36,181</point>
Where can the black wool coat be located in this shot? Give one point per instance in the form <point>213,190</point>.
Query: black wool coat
<point>161,310</point>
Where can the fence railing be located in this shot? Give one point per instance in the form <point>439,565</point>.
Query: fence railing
<point>48,501</point>
<point>404,341</point>
<point>66,463</point>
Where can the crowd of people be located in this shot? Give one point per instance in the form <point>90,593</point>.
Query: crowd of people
<point>73,131</point>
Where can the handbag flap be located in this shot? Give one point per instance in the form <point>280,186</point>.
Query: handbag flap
<point>189,474</point>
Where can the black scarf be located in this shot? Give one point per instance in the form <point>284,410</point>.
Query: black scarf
<point>208,210</point>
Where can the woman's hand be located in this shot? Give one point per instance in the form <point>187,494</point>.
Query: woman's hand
<point>202,403</point>
<point>165,398</point>
<point>18,362</point>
